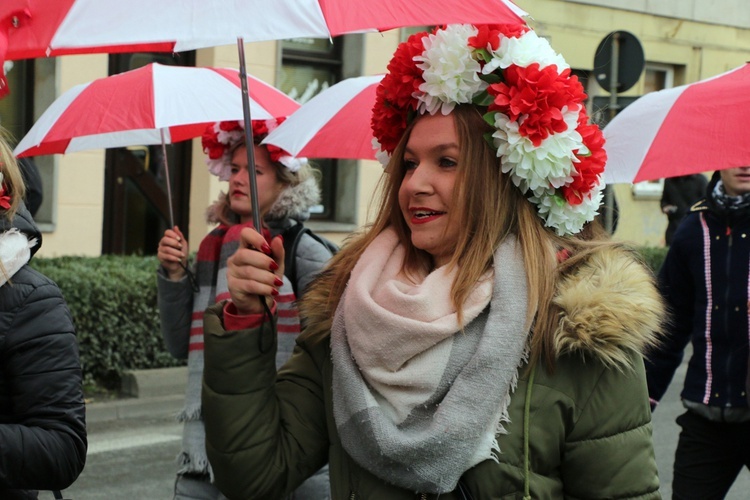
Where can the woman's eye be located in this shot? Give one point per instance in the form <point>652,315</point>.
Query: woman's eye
<point>447,162</point>
<point>235,170</point>
<point>410,164</point>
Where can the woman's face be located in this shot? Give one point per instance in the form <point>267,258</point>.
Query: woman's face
<point>269,187</point>
<point>426,192</point>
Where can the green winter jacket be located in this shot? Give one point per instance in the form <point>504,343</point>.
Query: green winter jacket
<point>582,432</point>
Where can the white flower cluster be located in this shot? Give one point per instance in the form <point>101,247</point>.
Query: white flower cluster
<point>539,170</point>
<point>450,73</point>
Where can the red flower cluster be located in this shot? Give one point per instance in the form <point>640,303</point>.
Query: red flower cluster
<point>491,34</point>
<point>393,100</point>
<point>215,149</point>
<point>590,166</point>
<point>535,98</point>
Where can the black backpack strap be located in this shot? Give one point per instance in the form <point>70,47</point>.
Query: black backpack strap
<point>291,242</point>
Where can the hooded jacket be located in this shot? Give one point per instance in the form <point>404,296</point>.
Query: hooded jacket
<point>705,279</point>
<point>582,431</point>
<point>42,413</point>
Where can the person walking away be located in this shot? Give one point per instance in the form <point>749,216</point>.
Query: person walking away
<point>679,194</point>
<point>481,338</point>
<point>286,191</point>
<point>704,280</point>
<point>42,413</point>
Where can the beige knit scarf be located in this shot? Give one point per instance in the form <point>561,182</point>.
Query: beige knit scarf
<point>417,401</point>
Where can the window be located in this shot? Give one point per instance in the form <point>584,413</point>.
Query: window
<point>309,66</point>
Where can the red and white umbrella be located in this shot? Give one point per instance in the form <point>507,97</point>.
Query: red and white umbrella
<point>155,104</point>
<point>683,130</point>
<point>137,106</point>
<point>333,124</point>
<point>38,28</point>
<point>88,26</point>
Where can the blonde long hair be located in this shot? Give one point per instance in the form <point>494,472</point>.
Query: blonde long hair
<point>12,178</point>
<point>488,208</point>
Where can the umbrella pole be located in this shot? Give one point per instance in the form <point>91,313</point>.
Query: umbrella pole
<point>249,136</point>
<point>167,176</point>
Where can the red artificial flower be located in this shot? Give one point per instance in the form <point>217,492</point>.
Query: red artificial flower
<point>211,145</point>
<point>535,98</point>
<point>393,99</point>
<point>490,34</point>
<point>229,126</point>
<point>589,167</point>
<point>4,198</point>
<point>260,130</point>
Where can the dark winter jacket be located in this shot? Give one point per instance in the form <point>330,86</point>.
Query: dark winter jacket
<point>681,193</point>
<point>588,425</point>
<point>705,279</point>
<point>42,414</point>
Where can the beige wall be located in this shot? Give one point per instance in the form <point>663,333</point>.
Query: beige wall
<point>573,28</point>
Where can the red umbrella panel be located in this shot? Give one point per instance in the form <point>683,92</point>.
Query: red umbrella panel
<point>684,130</point>
<point>137,106</point>
<point>333,124</point>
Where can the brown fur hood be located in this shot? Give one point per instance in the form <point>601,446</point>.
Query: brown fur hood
<point>609,307</point>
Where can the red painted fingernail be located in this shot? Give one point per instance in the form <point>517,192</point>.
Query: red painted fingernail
<point>266,249</point>
<point>277,281</point>
<point>273,265</point>
<point>274,292</point>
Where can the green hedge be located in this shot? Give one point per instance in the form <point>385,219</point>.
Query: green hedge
<point>653,256</point>
<point>113,303</point>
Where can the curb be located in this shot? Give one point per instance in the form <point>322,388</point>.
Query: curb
<point>156,393</point>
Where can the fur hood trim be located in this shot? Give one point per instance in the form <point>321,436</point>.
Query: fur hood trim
<point>610,307</point>
<point>294,202</point>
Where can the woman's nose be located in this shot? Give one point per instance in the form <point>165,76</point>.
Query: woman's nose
<point>419,180</point>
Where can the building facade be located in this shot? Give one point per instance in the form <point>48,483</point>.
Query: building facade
<point>114,201</point>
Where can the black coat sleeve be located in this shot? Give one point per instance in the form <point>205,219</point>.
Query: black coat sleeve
<point>42,413</point>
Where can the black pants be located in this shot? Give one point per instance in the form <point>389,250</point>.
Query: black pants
<point>709,457</point>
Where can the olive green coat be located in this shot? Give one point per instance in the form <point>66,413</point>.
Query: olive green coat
<point>587,425</point>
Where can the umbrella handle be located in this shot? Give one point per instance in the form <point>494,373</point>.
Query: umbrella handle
<point>169,182</point>
<point>249,143</point>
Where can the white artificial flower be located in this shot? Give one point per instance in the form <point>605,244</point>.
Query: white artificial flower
<point>450,73</point>
<point>220,167</point>
<point>292,163</point>
<point>382,156</point>
<point>523,51</point>
<point>536,168</point>
<point>564,217</point>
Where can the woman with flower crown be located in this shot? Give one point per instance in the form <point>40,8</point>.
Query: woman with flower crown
<point>481,338</point>
<point>42,412</point>
<point>286,191</point>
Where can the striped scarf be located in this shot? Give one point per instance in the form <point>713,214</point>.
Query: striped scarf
<point>210,272</point>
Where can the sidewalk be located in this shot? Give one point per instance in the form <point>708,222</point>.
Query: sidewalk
<point>156,393</point>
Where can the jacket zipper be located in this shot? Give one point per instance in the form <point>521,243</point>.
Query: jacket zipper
<point>353,496</point>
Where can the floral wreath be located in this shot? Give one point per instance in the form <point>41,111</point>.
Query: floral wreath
<point>220,137</point>
<point>524,89</point>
